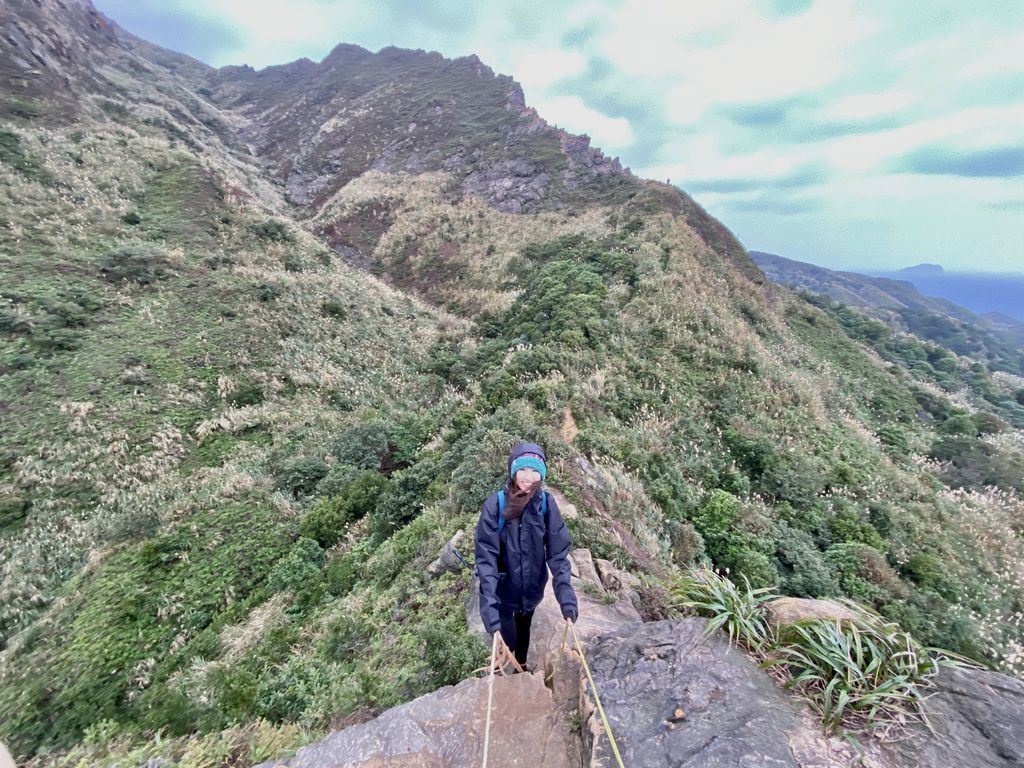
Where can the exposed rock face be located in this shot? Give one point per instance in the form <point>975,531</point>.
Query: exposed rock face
<point>447,560</point>
<point>733,714</point>
<point>445,729</point>
<point>978,718</point>
<point>789,610</point>
<point>674,697</point>
<point>320,125</point>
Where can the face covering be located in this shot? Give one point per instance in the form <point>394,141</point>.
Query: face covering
<point>516,500</point>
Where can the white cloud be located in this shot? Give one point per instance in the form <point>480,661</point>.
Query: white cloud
<point>538,68</point>
<point>861,106</point>
<point>569,112</point>
<point>972,128</point>
<point>763,58</point>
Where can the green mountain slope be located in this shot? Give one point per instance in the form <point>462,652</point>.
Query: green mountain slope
<point>993,338</point>
<point>228,453</point>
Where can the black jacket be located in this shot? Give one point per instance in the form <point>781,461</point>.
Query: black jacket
<point>513,568</point>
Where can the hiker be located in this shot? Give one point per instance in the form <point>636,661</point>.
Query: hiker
<point>516,546</point>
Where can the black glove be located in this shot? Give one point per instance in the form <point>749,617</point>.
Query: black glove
<point>570,614</point>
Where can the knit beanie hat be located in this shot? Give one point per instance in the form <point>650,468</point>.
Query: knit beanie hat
<point>529,461</point>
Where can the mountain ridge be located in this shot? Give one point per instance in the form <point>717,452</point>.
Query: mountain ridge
<point>187,355</point>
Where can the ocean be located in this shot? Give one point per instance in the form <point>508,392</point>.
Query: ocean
<point>977,291</point>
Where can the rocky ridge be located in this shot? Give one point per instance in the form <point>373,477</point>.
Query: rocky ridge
<point>674,696</point>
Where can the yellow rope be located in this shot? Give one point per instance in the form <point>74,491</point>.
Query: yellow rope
<point>597,699</point>
<point>490,698</point>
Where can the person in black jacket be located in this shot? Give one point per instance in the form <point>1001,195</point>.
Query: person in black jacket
<point>512,558</point>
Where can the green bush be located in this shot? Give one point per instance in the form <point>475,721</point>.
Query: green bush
<point>13,511</point>
<point>246,393</point>
<point>343,636</point>
<point>134,264</point>
<point>326,522</point>
<point>686,543</point>
<point>274,231</point>
<point>300,477</point>
<point>299,570</point>
<point>451,654</point>
<point>364,445</point>
<point>863,573</point>
<point>753,566</point>
<point>846,525</point>
<point>804,570</point>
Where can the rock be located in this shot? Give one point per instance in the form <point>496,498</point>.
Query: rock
<point>446,558</point>
<point>978,719</point>
<point>677,698</point>
<point>789,610</point>
<point>446,729</point>
<point>619,583</point>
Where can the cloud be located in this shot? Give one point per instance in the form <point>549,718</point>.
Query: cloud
<point>1013,206</point>
<point>805,176</point>
<point>769,205</point>
<point>572,113</point>
<point>863,106</point>
<point>759,114</point>
<point>995,162</point>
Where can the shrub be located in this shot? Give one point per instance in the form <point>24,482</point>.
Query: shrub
<point>301,476</point>
<point>450,652</point>
<point>13,511</point>
<point>299,569</point>
<point>326,522</point>
<point>847,526</point>
<point>343,636</point>
<point>804,570</point>
<point>268,291</point>
<point>863,573</point>
<point>337,479</point>
<point>687,545</point>
<point>363,445</point>
<point>246,393</point>
<point>274,231</point>
<point>134,264</point>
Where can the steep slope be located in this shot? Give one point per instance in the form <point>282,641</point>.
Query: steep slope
<point>996,339</point>
<point>233,454</point>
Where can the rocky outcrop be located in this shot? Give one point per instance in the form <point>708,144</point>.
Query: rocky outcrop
<point>977,720</point>
<point>789,610</point>
<point>676,697</point>
<point>446,728</point>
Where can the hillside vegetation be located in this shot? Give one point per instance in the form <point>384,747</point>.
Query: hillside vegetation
<point>237,428</point>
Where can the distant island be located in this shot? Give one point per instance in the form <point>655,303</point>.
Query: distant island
<point>923,269</point>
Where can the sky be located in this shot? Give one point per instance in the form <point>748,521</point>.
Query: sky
<point>850,134</point>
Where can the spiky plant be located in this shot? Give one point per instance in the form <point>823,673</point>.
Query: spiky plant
<point>858,673</point>
<point>739,611</point>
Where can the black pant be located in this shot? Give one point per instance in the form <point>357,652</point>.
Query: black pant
<point>515,631</point>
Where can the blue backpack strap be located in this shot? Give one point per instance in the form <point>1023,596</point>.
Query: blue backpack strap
<point>501,508</point>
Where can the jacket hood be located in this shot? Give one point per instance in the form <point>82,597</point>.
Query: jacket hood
<point>519,450</point>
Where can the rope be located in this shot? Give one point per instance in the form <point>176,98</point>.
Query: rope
<point>597,699</point>
<point>490,698</point>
